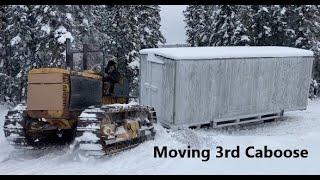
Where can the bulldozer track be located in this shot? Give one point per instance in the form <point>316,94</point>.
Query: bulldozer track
<point>14,128</point>
<point>88,134</point>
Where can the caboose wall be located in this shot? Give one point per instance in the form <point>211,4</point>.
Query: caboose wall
<point>217,89</point>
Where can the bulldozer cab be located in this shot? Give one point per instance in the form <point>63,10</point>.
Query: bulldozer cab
<point>93,60</point>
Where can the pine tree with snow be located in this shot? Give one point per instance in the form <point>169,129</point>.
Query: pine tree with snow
<point>224,26</point>
<point>198,19</point>
<point>304,21</point>
<point>260,27</point>
<point>54,26</point>
<point>217,25</point>
<point>87,25</point>
<point>3,59</point>
<point>3,25</point>
<point>18,32</point>
<point>149,26</point>
<point>240,35</point>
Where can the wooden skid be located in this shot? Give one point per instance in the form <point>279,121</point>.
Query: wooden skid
<point>250,119</point>
<point>240,120</point>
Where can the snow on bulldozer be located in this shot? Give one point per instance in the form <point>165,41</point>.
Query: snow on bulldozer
<point>88,107</point>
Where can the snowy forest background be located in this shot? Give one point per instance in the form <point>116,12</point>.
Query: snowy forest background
<point>33,36</point>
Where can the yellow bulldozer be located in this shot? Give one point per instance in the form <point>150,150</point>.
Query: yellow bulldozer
<point>83,107</point>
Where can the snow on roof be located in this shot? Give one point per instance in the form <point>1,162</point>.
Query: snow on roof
<point>226,52</point>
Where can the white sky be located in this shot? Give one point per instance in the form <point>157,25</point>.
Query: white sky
<point>172,24</point>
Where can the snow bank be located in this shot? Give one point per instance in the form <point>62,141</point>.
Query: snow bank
<point>227,52</point>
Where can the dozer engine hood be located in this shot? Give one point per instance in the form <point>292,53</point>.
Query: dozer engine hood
<point>48,89</point>
<point>53,92</point>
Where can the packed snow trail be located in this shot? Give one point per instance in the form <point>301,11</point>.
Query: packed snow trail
<point>299,130</point>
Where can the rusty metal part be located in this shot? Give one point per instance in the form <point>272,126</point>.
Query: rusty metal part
<point>62,123</point>
<point>114,100</point>
<point>108,127</point>
<point>112,128</point>
<point>88,74</point>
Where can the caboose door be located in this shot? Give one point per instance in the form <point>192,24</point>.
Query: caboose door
<point>152,85</point>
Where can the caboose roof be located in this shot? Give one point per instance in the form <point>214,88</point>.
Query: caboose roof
<point>223,52</point>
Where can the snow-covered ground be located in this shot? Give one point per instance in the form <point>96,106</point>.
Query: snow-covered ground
<point>299,130</point>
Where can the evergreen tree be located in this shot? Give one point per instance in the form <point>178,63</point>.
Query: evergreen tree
<point>18,59</point>
<point>54,25</point>
<point>198,19</point>
<point>240,36</point>
<point>149,26</point>
<point>224,26</point>
<point>260,27</point>
<point>215,25</point>
<point>3,25</point>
